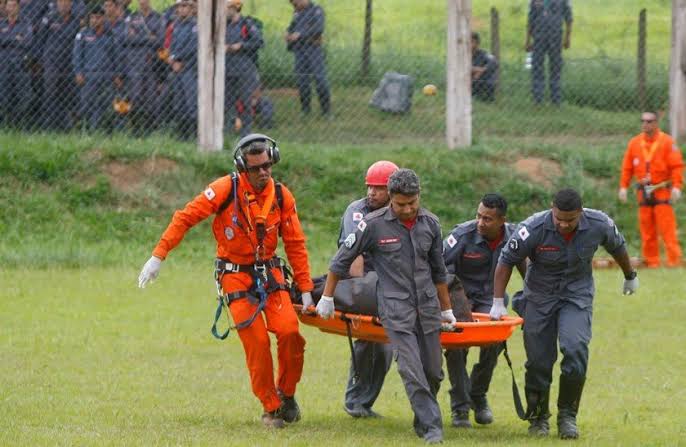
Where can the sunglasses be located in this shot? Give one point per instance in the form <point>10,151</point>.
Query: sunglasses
<point>647,121</point>
<point>255,169</point>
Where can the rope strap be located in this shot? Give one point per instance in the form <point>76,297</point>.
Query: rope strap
<point>515,391</point>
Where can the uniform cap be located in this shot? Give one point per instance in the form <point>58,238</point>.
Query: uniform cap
<point>379,172</point>
<point>238,4</point>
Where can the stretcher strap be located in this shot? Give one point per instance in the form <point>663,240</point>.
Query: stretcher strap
<point>519,408</point>
<point>348,322</point>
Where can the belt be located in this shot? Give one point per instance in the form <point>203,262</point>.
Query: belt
<point>654,202</point>
<point>229,267</point>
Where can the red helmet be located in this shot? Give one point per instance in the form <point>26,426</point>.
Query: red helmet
<point>378,173</point>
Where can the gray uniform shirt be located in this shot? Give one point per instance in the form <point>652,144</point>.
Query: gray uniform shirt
<point>546,16</point>
<point>468,255</point>
<point>351,218</point>
<point>559,268</point>
<point>408,263</point>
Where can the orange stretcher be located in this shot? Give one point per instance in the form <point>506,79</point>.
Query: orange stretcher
<point>480,332</point>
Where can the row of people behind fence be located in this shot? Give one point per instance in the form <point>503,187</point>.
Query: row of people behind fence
<point>142,64</point>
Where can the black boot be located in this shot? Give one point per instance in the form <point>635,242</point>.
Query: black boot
<point>568,406</point>
<point>289,411</point>
<point>537,412</point>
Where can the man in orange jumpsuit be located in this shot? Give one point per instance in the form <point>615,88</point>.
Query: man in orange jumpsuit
<point>654,159</point>
<point>250,212</point>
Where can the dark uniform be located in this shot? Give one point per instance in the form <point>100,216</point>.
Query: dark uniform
<point>242,77</point>
<point>94,57</point>
<point>545,25</point>
<point>142,37</point>
<point>184,84</point>
<point>558,300</point>
<point>469,256</point>
<point>53,48</point>
<point>33,11</point>
<point>484,87</point>
<point>309,56</point>
<point>118,30</point>
<point>263,112</point>
<point>409,263</point>
<point>15,80</point>
<point>372,359</point>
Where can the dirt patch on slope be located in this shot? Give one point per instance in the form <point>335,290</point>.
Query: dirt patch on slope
<point>127,177</point>
<point>539,170</point>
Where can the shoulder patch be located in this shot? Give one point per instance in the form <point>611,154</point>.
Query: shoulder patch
<point>350,240</point>
<point>523,233</point>
<point>362,225</point>
<point>451,241</point>
<point>357,216</point>
<point>209,193</point>
<point>513,244</point>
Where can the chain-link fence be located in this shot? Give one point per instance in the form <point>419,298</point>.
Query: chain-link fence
<point>310,76</point>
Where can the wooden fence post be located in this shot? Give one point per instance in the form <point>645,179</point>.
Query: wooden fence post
<point>495,43</point>
<point>458,96</point>
<point>677,72</point>
<point>211,32</point>
<point>367,41</point>
<point>641,60</point>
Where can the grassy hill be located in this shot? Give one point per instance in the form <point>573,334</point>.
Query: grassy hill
<point>96,200</point>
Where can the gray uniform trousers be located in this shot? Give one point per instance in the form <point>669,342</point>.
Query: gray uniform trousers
<point>373,360</point>
<point>420,367</point>
<point>465,389</point>
<point>550,45</point>
<point>547,321</point>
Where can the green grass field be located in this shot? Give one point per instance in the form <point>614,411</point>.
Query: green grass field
<point>89,359</point>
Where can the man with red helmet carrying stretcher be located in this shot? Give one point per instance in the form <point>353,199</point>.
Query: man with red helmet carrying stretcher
<point>372,360</point>
<point>251,210</point>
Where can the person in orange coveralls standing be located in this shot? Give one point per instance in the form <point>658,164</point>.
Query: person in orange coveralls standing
<point>250,211</point>
<point>654,159</point>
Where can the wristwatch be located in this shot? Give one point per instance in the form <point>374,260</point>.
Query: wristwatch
<point>631,275</point>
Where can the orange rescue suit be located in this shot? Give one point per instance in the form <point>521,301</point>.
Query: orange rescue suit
<point>235,232</point>
<point>652,161</point>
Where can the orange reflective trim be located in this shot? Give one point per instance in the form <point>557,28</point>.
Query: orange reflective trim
<point>649,153</point>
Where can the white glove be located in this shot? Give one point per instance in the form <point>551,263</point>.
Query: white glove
<point>448,320</point>
<point>630,286</point>
<point>325,307</point>
<point>621,194</point>
<point>307,302</point>
<point>498,309</point>
<point>150,271</point>
<point>676,195</point>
